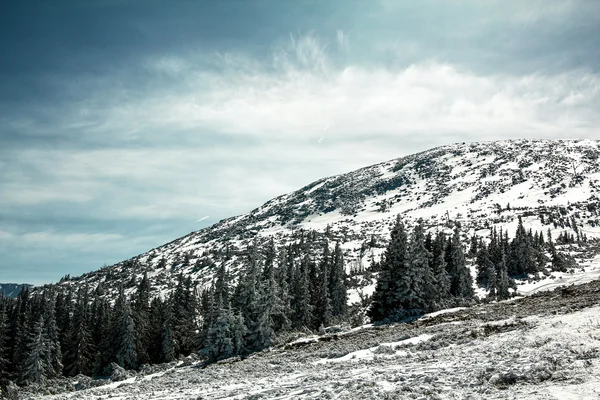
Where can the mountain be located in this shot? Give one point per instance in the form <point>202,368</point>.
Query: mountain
<point>551,184</point>
<point>12,289</point>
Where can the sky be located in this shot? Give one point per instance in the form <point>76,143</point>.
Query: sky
<point>127,124</point>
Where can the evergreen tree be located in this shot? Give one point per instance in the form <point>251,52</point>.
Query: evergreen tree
<point>125,333</point>
<point>392,268</point>
<point>301,299</point>
<point>461,280</point>
<point>4,336</point>
<point>415,287</point>
<point>337,285</point>
<point>79,354</point>
<point>141,313</point>
<point>438,267</point>
<point>521,257</point>
<point>36,364</point>
<point>503,281</point>
<point>184,326</point>
<point>53,350</point>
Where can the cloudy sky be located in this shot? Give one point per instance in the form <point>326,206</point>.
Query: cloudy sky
<point>127,124</point>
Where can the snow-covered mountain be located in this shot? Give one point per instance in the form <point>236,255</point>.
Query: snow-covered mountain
<point>551,184</point>
<point>12,289</point>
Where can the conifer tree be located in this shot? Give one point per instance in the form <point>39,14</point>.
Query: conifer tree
<point>141,312</point>
<point>461,280</point>
<point>79,354</point>
<point>438,266</point>
<point>320,296</point>
<point>503,282</point>
<point>392,268</point>
<point>301,299</point>
<point>36,361</point>
<point>125,333</point>
<point>183,301</point>
<point>4,335</point>
<point>415,287</point>
<point>337,285</point>
<point>53,350</point>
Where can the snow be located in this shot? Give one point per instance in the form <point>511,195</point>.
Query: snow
<point>442,312</point>
<point>538,357</point>
<point>371,353</point>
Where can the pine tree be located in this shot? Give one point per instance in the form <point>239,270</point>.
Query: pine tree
<point>503,281</point>
<point>4,336</point>
<point>415,287</point>
<point>184,325</point>
<point>521,258</point>
<point>220,343</point>
<point>301,299</point>
<point>320,291</point>
<point>461,280</point>
<point>53,351</point>
<point>141,312</point>
<point>438,268</point>
<point>337,286</point>
<point>35,366</point>
<point>79,354</point>
<point>392,268</point>
<point>125,333</point>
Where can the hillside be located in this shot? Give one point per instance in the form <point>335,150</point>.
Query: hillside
<point>552,184</point>
<point>12,289</point>
<point>540,347</point>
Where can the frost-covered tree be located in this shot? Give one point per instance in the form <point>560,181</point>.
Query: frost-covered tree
<point>125,333</point>
<point>53,353</point>
<point>36,362</point>
<point>415,287</point>
<point>392,268</point>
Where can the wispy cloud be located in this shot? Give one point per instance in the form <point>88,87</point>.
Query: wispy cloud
<point>141,148</point>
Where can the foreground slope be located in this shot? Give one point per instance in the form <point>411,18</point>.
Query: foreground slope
<point>545,346</point>
<point>551,184</point>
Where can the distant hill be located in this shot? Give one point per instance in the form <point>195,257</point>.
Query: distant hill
<point>12,289</point>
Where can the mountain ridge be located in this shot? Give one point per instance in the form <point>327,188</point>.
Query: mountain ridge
<point>12,289</point>
<point>550,183</point>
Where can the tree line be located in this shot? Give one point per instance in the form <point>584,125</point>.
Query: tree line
<point>52,333</point>
<point>301,286</point>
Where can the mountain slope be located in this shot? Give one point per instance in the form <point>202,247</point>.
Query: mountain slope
<point>12,289</point>
<point>551,184</point>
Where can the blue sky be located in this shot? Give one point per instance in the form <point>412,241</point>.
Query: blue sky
<point>127,124</point>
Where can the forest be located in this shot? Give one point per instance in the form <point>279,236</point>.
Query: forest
<point>299,288</point>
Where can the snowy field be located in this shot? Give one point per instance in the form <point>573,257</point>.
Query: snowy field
<point>544,346</point>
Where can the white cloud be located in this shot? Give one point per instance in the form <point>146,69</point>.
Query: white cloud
<point>229,131</point>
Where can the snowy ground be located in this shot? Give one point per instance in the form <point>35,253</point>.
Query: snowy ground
<point>544,346</point>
